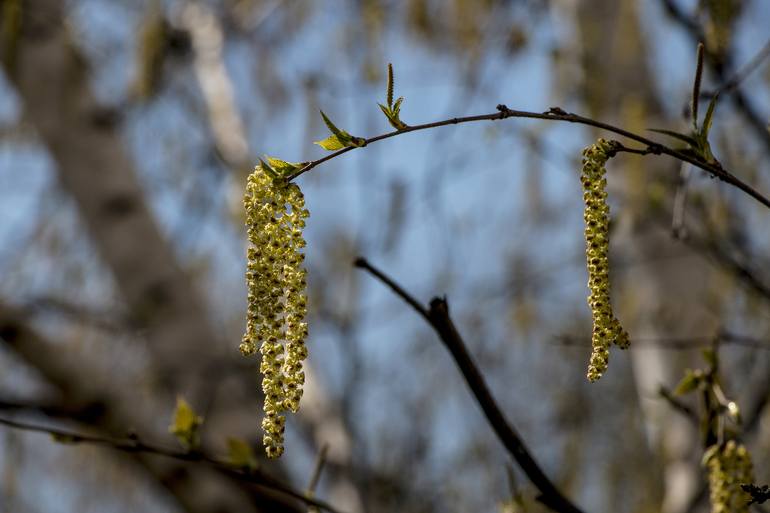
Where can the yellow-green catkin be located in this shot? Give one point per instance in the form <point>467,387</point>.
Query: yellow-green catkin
<point>277,301</point>
<point>606,328</point>
<point>729,466</point>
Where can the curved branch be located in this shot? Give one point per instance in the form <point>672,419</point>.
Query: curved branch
<point>437,315</point>
<point>557,114</point>
<point>135,445</point>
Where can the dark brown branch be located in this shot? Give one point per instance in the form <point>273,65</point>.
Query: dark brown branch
<point>437,315</point>
<point>557,114</point>
<point>678,343</point>
<point>135,445</point>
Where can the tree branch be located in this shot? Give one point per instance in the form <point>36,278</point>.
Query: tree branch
<point>134,445</point>
<point>437,315</point>
<point>557,114</point>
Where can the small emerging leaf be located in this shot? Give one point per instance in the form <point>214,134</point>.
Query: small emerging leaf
<point>282,167</point>
<point>332,127</point>
<point>331,143</point>
<point>689,382</point>
<point>711,357</point>
<point>397,105</point>
<point>706,127</point>
<point>392,116</point>
<point>240,454</point>
<point>696,86</point>
<point>268,169</point>
<point>185,425</point>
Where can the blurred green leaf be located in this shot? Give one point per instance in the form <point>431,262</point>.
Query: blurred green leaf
<point>240,453</point>
<point>185,425</point>
<point>282,167</point>
<point>706,127</point>
<point>333,128</point>
<point>690,382</point>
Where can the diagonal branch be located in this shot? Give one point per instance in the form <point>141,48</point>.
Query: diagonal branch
<point>437,315</point>
<point>135,445</point>
<point>557,114</point>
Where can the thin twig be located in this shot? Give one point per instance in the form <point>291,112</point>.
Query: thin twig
<point>678,226</point>
<point>316,475</point>
<point>678,405</point>
<point>557,114</point>
<point>437,315</point>
<point>135,445</point>
<point>743,73</point>
<point>676,344</point>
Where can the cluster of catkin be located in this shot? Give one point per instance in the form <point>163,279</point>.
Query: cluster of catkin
<point>277,304</point>
<point>606,328</point>
<point>729,466</point>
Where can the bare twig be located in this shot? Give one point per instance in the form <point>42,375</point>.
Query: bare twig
<point>316,475</point>
<point>678,343</point>
<point>133,444</point>
<point>742,74</point>
<point>557,114</point>
<point>437,315</point>
<point>678,227</point>
<point>678,405</point>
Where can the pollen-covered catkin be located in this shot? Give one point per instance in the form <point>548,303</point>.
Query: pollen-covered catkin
<point>729,466</point>
<point>277,301</point>
<point>606,328</point>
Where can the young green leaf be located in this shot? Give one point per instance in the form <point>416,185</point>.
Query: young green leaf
<point>331,143</point>
<point>240,454</point>
<point>706,126</point>
<point>185,425</point>
<point>282,167</point>
<point>711,358</point>
<point>689,382</point>
<point>332,128</point>
<point>397,106</point>
<point>696,86</point>
<point>268,169</point>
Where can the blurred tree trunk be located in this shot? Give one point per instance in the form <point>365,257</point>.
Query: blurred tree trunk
<point>661,298</point>
<point>84,141</point>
